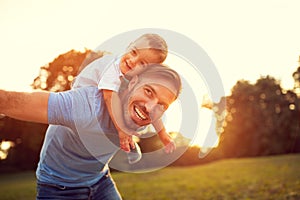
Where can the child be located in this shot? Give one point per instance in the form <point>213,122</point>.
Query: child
<point>107,73</point>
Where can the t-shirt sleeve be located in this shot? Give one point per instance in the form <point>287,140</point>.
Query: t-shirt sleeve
<point>75,108</point>
<point>59,108</point>
<point>110,79</point>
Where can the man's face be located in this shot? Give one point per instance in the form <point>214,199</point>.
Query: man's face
<point>146,102</point>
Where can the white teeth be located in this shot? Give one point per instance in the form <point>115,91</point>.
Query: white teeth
<point>139,113</point>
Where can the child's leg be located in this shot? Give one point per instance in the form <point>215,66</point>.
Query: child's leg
<point>114,107</point>
<point>164,137</point>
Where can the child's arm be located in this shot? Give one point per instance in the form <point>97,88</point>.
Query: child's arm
<point>164,136</point>
<point>113,104</point>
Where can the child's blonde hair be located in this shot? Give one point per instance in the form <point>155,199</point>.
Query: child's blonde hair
<point>155,42</point>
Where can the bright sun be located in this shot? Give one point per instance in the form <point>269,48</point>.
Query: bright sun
<point>205,134</point>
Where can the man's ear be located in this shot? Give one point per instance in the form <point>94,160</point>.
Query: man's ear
<point>134,80</point>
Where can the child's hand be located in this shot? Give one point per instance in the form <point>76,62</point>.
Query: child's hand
<point>126,141</point>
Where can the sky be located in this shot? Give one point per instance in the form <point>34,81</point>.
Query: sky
<point>245,39</point>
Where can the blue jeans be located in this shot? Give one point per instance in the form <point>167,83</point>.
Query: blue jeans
<point>104,189</point>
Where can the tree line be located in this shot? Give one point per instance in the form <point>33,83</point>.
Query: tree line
<point>259,119</point>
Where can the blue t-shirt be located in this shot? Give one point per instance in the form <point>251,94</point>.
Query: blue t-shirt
<point>80,141</point>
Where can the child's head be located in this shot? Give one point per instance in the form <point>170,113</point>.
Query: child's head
<point>147,49</point>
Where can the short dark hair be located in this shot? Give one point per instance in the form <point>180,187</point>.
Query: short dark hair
<point>163,71</point>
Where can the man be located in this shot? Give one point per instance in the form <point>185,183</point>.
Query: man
<point>82,139</point>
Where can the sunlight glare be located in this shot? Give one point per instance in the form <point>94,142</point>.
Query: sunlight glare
<point>173,116</point>
<point>4,147</point>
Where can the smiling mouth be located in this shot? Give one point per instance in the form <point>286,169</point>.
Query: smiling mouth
<point>139,113</point>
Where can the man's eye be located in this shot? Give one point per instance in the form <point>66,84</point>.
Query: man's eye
<point>133,52</point>
<point>148,92</point>
<point>163,106</point>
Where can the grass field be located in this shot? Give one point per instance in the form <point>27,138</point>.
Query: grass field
<point>263,178</point>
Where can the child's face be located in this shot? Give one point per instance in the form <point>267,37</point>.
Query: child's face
<point>139,57</point>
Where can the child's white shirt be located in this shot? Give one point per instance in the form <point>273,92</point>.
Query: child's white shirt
<point>103,72</point>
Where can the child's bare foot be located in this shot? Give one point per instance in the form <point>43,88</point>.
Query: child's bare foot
<point>168,142</point>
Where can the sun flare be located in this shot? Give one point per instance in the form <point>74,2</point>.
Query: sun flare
<point>205,134</point>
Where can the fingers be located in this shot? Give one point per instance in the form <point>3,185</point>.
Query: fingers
<point>126,142</point>
<point>124,145</point>
<point>170,148</point>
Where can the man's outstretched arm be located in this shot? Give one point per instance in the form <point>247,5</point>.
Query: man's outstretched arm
<point>27,106</point>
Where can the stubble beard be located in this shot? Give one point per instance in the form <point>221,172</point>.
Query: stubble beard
<point>127,115</point>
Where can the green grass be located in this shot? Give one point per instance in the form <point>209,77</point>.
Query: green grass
<point>19,186</point>
<point>275,177</point>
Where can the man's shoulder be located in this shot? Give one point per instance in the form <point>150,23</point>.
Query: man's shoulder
<point>81,93</point>
<point>106,59</point>
<point>86,98</point>
<point>87,91</point>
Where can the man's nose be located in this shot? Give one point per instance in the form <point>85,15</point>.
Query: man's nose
<point>133,60</point>
<point>151,105</point>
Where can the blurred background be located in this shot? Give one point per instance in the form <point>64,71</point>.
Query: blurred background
<point>255,46</point>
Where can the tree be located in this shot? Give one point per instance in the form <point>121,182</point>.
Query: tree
<point>28,137</point>
<point>296,77</point>
<point>58,75</point>
<point>261,119</point>
<point>296,90</point>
